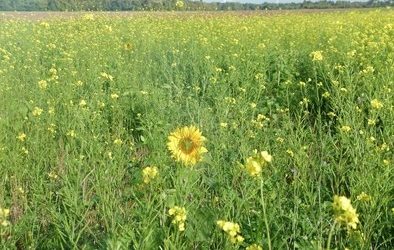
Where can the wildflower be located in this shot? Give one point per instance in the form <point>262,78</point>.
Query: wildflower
<point>186,145</point>
<point>52,128</point>
<point>316,55</point>
<point>331,114</point>
<point>109,154</point>
<point>42,84</point>
<point>384,147</point>
<point>344,212</point>
<point>290,152</point>
<point>118,141</point>
<point>44,24</point>
<point>101,104</point>
<point>253,105</point>
<point>232,229</point>
<point>114,96</point>
<point>376,104</point>
<point>88,17</point>
<point>386,162</point>
<point>179,4</point>
<point>72,133</point>
<point>179,217</point>
<point>149,173</point>
<point>21,136</point>
<point>107,76</point>
<point>254,165</point>
<point>345,128</point>
<point>25,151</point>
<point>265,156</point>
<point>363,197</point>
<point>4,213</point>
<point>53,175</point>
<point>326,94</point>
<point>37,111</point>
<point>79,83</point>
<point>51,110</point>
<point>371,122</point>
<point>82,103</point>
<point>254,247</point>
<point>280,139</point>
<point>223,124</point>
<point>343,90</point>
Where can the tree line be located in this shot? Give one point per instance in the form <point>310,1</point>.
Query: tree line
<point>134,5</point>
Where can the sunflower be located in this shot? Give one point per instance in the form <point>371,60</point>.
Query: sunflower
<point>186,145</point>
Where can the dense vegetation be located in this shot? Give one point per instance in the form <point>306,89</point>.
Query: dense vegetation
<point>119,5</point>
<point>103,120</point>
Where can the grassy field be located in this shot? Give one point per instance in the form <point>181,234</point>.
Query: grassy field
<point>198,131</point>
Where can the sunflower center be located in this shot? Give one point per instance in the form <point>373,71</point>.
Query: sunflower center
<point>187,145</point>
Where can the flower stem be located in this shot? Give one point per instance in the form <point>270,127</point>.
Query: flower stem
<point>265,215</point>
<point>330,235</point>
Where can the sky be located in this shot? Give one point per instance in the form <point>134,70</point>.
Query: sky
<point>273,1</point>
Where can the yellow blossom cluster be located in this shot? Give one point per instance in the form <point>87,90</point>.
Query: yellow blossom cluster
<point>179,217</point>
<point>254,247</point>
<point>37,111</point>
<point>4,213</point>
<point>364,197</point>
<point>344,212</point>
<point>317,55</point>
<point>149,173</point>
<point>22,136</point>
<point>254,164</point>
<point>232,229</point>
<point>376,104</point>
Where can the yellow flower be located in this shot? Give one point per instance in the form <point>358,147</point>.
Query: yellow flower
<point>114,96</point>
<point>265,156</point>
<point>363,197</point>
<point>346,128</point>
<point>344,212</point>
<point>326,94</point>
<point>223,124</point>
<point>4,213</point>
<point>317,55</point>
<point>37,111</point>
<point>179,4</point>
<point>21,136</point>
<point>232,229</point>
<point>149,173</point>
<point>179,216</point>
<point>118,141</point>
<point>371,122</point>
<point>254,247</point>
<point>82,103</point>
<point>107,76</point>
<point>42,84</point>
<point>72,133</point>
<point>253,167</point>
<point>186,145</point>
<point>376,104</point>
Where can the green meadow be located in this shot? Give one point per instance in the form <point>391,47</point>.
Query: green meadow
<point>198,131</point>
